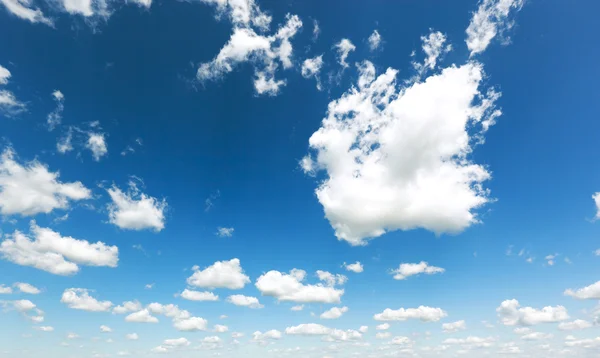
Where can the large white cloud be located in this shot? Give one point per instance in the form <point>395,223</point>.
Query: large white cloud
<point>221,274</point>
<point>398,158</point>
<point>264,52</point>
<point>490,20</point>
<point>246,301</point>
<point>135,210</point>
<point>30,188</point>
<point>406,270</point>
<point>49,251</point>
<point>591,292</point>
<point>511,313</point>
<point>23,9</point>
<point>289,287</point>
<point>423,313</point>
<point>80,299</point>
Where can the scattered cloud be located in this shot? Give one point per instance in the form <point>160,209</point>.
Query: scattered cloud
<point>334,313</point>
<point>374,40</point>
<point>30,188</point>
<point>246,301</point>
<point>105,329</point>
<point>311,67</point>
<point>575,325</point>
<point>407,270</point>
<point>47,250</point>
<point>24,10</point>
<point>54,118</point>
<point>132,336</point>
<point>511,313</point>
<point>96,143</point>
<point>294,308</point>
<point>134,210</point>
<point>289,287</point>
<point>356,267</point>
<point>490,20</point>
<point>142,316</point>
<point>454,326</point>
<point>343,49</point>
<point>80,299</point>
<point>27,288</point>
<point>591,292</point>
<point>198,296</point>
<point>225,231</point>
<point>422,313</point>
<point>221,274</point>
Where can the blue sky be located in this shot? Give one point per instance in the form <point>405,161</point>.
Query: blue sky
<point>243,178</point>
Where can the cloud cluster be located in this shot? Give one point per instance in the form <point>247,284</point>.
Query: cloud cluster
<point>511,313</point>
<point>289,287</point>
<point>47,250</point>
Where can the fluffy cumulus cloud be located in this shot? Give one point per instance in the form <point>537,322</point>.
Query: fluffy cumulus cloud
<point>27,288</point>
<point>272,334</point>
<point>198,296</point>
<point>221,274</point>
<point>128,306</point>
<point>331,279</point>
<point>356,267</point>
<point>47,250</point>
<point>511,313</point>
<point>454,326</point>
<point>96,143</point>
<point>311,67</point>
<point>308,329</point>
<point>422,313</point>
<point>30,188</point>
<point>134,210</point>
<point>105,329</point>
<point>80,299</point>
<point>5,290</point>
<point>266,52</point>
<point>171,344</point>
<point>398,157</point>
<point>182,319</point>
<point>334,313</point>
<point>491,19</point>
<point>374,40</point>
<point>289,287</point>
<point>591,292</point>
<point>343,49</point>
<point>246,301</point>
<point>142,316</point>
<point>575,325</point>
<point>25,10</point>
<point>9,105</point>
<point>407,270</point>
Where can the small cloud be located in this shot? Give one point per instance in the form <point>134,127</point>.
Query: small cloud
<point>225,231</point>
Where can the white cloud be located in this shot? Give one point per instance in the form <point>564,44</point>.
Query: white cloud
<point>105,329</point>
<point>23,305</point>
<point>45,328</point>
<point>31,189</point>
<point>398,158</point>
<point>246,301</point>
<point>221,274</point>
<point>577,324</point>
<point>289,287</point>
<point>199,296</point>
<point>219,328</point>
<point>356,267</point>
<point>423,313</point>
<point>149,286</point>
<point>128,306</point>
<point>343,48</point>
<point>374,40</point>
<point>51,252</point>
<point>383,327</point>
<point>134,210</point>
<point>190,324</point>
<point>142,316</point>
<point>591,292</point>
<point>5,290</point>
<point>454,326</point>
<point>297,308</point>
<point>596,198</point>
<point>536,336</point>
<point>550,259</point>
<point>96,143</point>
<point>316,30</point>
<point>242,13</point>
<point>9,105</point>
<point>4,75</point>
<point>402,341</point>
<point>272,334</point>
<point>383,335</point>
<point>433,46</point>
<point>225,231</point>
<point>264,52</point>
<point>407,270</point>
<point>490,20</point>
<point>64,144</point>
<point>23,9</point>
<point>338,335</point>
<point>132,336</point>
<point>311,67</point>
<point>334,313</point>
<point>363,329</point>
<point>308,329</point>
<point>511,314</point>
<point>471,342</point>
<point>72,336</point>
<point>80,299</point>
<point>170,344</point>
<point>331,279</point>
<point>27,288</point>
<point>55,117</point>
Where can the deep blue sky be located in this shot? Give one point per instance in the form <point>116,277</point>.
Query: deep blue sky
<point>135,73</point>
